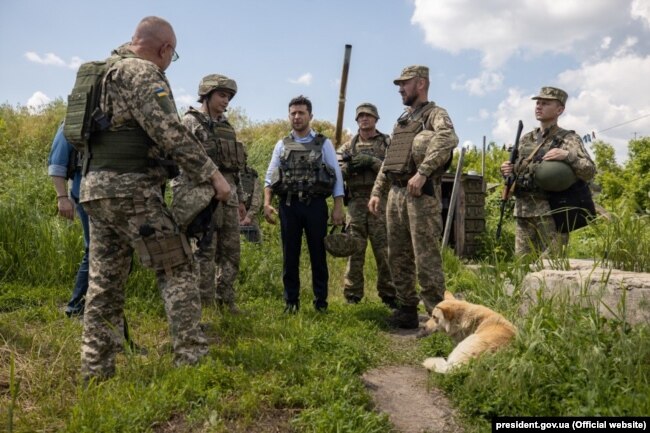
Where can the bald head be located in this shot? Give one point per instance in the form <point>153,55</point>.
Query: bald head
<point>154,40</point>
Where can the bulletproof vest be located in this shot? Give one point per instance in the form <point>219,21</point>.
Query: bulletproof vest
<point>526,184</point>
<point>83,115</point>
<point>247,177</point>
<point>222,146</point>
<point>399,161</point>
<point>365,178</point>
<point>302,170</point>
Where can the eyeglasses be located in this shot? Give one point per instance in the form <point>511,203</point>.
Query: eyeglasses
<point>175,56</point>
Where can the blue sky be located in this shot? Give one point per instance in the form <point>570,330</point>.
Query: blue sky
<point>486,58</point>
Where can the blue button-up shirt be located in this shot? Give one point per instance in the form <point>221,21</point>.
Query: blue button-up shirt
<point>57,163</point>
<point>329,158</point>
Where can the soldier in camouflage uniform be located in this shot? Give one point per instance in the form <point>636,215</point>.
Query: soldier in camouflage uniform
<point>218,137</point>
<point>535,228</point>
<point>362,158</point>
<point>422,144</point>
<point>252,188</point>
<point>121,193</point>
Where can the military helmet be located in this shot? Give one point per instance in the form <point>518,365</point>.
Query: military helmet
<point>191,202</point>
<point>554,176</point>
<point>367,108</point>
<point>216,82</point>
<point>343,244</point>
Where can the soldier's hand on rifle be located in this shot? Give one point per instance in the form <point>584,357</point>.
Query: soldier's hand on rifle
<point>221,186</point>
<point>362,160</point>
<point>415,184</point>
<point>506,169</point>
<point>65,207</point>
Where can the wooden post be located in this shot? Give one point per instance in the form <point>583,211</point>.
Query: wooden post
<point>344,85</point>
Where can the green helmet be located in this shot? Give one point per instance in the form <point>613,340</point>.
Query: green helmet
<point>190,201</point>
<point>343,244</point>
<point>554,176</point>
<point>216,82</point>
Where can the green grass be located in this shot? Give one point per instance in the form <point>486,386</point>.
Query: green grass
<point>297,373</point>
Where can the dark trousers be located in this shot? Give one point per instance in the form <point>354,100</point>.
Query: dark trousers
<point>310,217</point>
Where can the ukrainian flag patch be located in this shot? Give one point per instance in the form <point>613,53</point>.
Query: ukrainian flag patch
<point>160,91</point>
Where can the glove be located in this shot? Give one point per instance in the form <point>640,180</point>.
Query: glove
<point>362,161</point>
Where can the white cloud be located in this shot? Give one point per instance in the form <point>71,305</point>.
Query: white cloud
<point>640,9</point>
<point>500,28</point>
<point>479,86</point>
<point>37,101</point>
<point>51,59</point>
<point>304,79</point>
<point>184,100</point>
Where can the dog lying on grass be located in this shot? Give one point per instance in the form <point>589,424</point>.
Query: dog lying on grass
<point>474,328</point>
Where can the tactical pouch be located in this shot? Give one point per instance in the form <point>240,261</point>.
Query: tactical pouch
<point>163,254</point>
<point>324,180</point>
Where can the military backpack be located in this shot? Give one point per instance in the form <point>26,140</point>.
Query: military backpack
<point>83,116</point>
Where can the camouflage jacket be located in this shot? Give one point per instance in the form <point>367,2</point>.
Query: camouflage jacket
<point>584,168</point>
<point>430,155</point>
<point>136,93</point>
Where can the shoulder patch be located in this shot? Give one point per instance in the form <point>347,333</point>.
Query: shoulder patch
<point>160,92</point>
<point>447,122</point>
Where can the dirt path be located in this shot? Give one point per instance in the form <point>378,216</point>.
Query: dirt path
<point>401,391</point>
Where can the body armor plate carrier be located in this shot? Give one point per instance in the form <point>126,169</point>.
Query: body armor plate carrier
<point>302,170</point>
<point>222,146</point>
<point>399,162</point>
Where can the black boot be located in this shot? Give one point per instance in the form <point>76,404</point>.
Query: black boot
<point>390,302</point>
<point>405,317</point>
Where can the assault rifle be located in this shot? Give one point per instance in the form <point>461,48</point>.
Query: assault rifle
<point>510,179</point>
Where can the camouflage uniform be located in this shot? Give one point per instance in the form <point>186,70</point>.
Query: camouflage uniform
<point>415,223</point>
<point>217,264</point>
<point>127,212</point>
<point>364,224</point>
<point>535,228</point>
<point>252,190</point>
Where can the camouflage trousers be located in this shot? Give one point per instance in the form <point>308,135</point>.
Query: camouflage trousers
<point>414,226</point>
<point>538,235</point>
<point>217,264</point>
<point>116,229</point>
<point>367,226</point>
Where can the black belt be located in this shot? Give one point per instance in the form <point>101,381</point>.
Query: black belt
<point>400,183</point>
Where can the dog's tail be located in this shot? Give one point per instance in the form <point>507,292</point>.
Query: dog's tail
<point>448,295</point>
<point>439,365</point>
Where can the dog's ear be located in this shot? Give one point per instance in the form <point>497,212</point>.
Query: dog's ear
<point>447,310</point>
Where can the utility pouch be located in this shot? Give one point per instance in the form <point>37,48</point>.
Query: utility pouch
<point>163,254</point>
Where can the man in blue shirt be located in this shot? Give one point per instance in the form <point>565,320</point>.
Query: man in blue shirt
<point>303,172</point>
<point>63,164</point>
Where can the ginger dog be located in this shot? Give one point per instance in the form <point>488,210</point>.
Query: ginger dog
<point>475,329</point>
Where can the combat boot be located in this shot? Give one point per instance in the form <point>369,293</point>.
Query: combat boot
<point>405,317</point>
